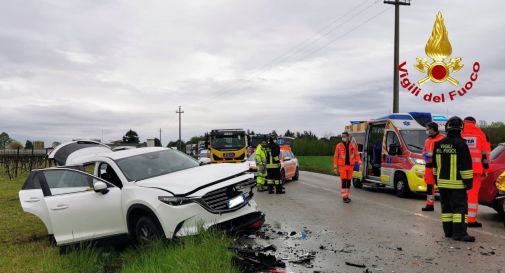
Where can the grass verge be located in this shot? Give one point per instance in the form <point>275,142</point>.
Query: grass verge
<point>24,247</point>
<point>318,164</point>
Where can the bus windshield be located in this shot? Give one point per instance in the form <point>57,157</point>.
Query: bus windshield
<point>414,139</point>
<point>228,141</point>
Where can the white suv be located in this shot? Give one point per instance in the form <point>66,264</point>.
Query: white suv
<point>139,193</point>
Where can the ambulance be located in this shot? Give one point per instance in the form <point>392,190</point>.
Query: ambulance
<point>391,151</point>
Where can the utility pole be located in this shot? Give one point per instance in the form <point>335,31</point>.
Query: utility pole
<point>180,112</point>
<point>160,138</point>
<point>396,78</point>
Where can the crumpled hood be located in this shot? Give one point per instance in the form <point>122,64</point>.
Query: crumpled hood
<point>198,178</point>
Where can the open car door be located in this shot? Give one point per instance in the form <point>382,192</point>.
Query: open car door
<point>65,153</point>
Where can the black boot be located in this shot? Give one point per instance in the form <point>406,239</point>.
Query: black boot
<point>428,208</point>
<point>270,189</point>
<point>464,238</point>
<point>279,189</point>
<point>447,229</point>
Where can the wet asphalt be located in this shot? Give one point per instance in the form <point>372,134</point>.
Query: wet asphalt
<point>383,232</point>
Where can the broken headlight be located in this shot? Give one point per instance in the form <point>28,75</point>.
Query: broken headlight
<point>175,200</point>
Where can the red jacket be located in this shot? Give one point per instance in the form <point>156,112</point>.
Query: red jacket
<point>339,156</point>
<point>429,143</point>
<point>480,148</point>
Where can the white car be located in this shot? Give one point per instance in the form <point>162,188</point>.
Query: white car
<point>139,194</point>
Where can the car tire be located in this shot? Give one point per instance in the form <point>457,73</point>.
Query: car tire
<point>52,240</point>
<point>401,185</point>
<point>499,206</point>
<point>357,183</point>
<point>297,175</point>
<point>147,230</point>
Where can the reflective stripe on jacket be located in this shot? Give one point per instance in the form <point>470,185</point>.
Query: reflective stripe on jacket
<point>452,164</point>
<point>339,156</point>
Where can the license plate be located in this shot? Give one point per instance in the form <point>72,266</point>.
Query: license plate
<point>229,155</point>
<point>236,201</point>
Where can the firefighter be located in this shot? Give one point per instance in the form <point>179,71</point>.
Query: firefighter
<point>479,149</point>
<point>274,168</point>
<point>346,155</point>
<point>261,161</point>
<point>452,165</point>
<point>433,136</point>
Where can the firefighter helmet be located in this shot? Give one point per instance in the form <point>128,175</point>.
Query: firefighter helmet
<point>454,123</point>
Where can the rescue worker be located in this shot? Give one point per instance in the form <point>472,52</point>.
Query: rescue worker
<point>479,149</point>
<point>261,161</point>
<point>274,168</point>
<point>452,165</point>
<point>433,136</point>
<point>346,155</point>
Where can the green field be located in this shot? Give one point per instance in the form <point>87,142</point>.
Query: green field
<point>320,164</point>
<point>24,247</point>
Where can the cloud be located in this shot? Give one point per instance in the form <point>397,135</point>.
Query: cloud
<point>77,69</point>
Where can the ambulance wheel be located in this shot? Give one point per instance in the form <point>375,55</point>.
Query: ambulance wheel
<point>401,185</point>
<point>357,183</point>
<point>499,206</point>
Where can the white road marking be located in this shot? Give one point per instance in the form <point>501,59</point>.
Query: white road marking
<point>400,210</point>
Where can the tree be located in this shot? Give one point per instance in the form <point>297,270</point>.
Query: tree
<point>274,134</point>
<point>14,144</point>
<point>4,140</point>
<point>176,145</point>
<point>288,133</point>
<point>28,145</point>
<point>157,142</point>
<point>131,137</point>
<point>55,144</point>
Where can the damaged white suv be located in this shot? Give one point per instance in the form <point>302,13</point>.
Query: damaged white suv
<point>138,194</point>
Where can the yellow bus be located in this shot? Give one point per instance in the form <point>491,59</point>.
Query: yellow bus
<point>227,145</point>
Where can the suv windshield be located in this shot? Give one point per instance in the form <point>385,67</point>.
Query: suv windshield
<point>497,151</point>
<point>414,139</point>
<point>153,164</point>
<point>228,141</point>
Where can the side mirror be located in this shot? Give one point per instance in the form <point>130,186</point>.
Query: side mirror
<point>100,186</point>
<point>287,158</point>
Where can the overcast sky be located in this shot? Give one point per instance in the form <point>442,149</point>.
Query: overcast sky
<point>72,69</point>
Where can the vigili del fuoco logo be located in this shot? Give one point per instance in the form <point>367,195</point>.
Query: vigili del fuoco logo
<point>439,68</point>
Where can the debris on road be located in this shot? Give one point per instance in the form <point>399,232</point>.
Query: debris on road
<point>355,264</point>
<point>257,259</point>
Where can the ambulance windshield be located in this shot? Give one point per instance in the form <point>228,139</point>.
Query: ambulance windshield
<point>414,139</point>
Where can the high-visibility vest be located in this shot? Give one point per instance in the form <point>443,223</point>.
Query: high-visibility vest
<point>478,145</point>
<point>261,155</point>
<point>339,156</point>
<point>428,148</point>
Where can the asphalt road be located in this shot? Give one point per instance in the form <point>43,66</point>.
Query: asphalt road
<point>384,232</point>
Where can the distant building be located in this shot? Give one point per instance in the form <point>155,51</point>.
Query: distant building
<point>38,145</point>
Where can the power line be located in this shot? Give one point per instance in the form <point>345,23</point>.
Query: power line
<point>301,57</point>
<point>300,47</point>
